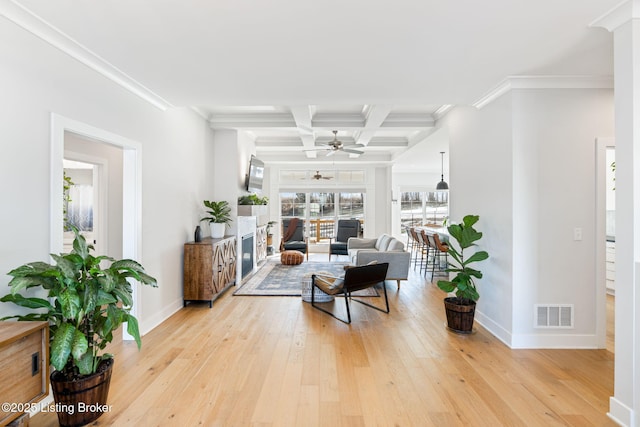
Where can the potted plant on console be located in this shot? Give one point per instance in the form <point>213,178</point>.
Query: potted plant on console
<point>86,303</point>
<point>219,216</point>
<point>254,205</point>
<point>460,309</point>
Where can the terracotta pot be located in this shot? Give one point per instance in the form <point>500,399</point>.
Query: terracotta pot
<point>82,401</point>
<point>459,316</point>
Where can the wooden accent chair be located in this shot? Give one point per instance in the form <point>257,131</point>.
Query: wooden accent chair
<point>355,279</point>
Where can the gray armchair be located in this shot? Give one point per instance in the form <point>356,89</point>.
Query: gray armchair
<point>293,238</point>
<point>346,228</point>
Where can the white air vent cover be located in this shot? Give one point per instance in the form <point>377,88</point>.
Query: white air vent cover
<point>553,316</point>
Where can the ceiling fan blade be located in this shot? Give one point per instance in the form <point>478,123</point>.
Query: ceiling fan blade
<point>317,149</point>
<point>353,145</point>
<point>331,153</point>
<point>347,150</point>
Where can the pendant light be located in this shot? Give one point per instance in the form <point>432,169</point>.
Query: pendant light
<point>442,185</point>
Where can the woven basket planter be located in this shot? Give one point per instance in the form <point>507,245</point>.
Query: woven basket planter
<point>459,317</point>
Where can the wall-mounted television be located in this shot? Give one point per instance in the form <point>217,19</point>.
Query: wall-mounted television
<point>255,175</point>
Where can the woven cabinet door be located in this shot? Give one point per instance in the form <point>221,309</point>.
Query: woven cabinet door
<point>218,277</point>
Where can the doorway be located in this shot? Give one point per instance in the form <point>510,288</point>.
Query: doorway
<point>129,214</point>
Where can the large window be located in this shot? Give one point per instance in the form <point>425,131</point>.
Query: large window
<point>320,211</point>
<point>420,207</point>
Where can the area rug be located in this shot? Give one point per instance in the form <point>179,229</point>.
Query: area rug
<point>275,279</point>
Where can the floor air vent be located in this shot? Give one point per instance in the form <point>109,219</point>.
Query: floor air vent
<point>554,316</point>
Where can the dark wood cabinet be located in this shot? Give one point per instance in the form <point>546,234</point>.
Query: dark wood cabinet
<point>209,268</point>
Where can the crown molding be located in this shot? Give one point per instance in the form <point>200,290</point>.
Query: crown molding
<point>252,120</point>
<point>544,82</point>
<point>619,15</point>
<point>201,112</point>
<point>37,26</point>
<point>442,111</point>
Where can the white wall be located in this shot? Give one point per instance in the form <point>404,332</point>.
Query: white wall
<point>173,180</point>
<point>481,184</point>
<point>232,153</point>
<point>526,164</point>
<point>557,130</point>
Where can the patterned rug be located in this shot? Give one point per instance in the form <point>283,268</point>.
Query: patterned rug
<point>275,279</point>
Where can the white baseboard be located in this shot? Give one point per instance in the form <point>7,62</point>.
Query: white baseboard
<point>151,322</point>
<point>620,413</point>
<point>495,329</point>
<point>533,341</point>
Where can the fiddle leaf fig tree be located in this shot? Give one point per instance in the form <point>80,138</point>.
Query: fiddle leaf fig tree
<point>463,284</point>
<point>85,304</point>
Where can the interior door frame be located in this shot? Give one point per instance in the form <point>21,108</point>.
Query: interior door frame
<point>601,237</point>
<point>131,194</point>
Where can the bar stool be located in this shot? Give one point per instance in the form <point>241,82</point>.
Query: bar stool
<point>420,248</point>
<point>410,242</point>
<point>441,249</point>
<point>429,250</point>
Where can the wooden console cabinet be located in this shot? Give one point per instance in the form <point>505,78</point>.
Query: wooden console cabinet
<point>24,364</point>
<point>209,268</point>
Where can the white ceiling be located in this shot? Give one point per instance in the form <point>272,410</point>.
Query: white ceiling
<point>291,71</point>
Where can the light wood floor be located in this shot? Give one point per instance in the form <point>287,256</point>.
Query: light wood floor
<point>275,361</point>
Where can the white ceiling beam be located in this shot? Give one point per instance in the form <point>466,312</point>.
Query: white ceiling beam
<point>409,121</point>
<point>376,115</point>
<point>302,114</point>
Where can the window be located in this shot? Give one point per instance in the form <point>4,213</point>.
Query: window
<point>320,211</point>
<point>293,204</point>
<point>420,207</point>
<point>351,206</point>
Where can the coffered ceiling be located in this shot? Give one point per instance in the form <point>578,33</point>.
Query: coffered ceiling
<point>289,72</point>
<point>297,133</point>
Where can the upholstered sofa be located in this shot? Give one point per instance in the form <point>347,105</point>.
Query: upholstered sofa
<point>383,249</point>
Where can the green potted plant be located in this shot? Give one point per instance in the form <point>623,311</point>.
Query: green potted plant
<point>253,205</point>
<point>219,216</point>
<point>85,304</point>
<point>460,309</point>
<point>252,199</point>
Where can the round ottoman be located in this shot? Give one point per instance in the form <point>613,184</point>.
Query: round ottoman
<point>291,257</point>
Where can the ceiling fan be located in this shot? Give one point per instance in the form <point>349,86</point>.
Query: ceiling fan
<point>335,145</point>
<point>318,177</point>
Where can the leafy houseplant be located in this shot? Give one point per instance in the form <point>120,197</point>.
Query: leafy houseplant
<point>86,304</point>
<point>219,213</point>
<point>253,199</point>
<point>462,284</point>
